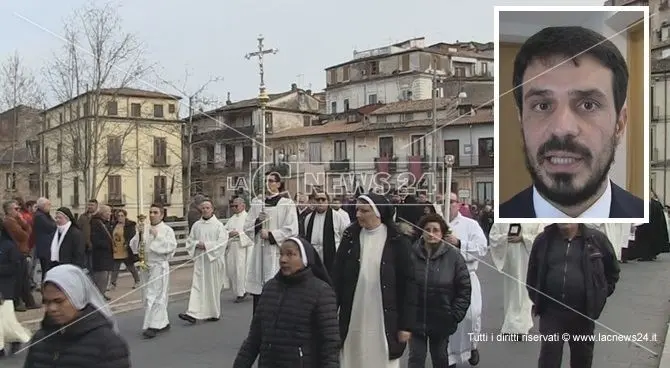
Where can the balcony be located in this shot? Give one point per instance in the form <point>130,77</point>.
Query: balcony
<point>425,161</point>
<point>162,198</point>
<point>473,161</point>
<point>282,168</point>
<point>115,199</point>
<point>74,201</point>
<point>161,160</point>
<point>386,164</point>
<point>339,165</point>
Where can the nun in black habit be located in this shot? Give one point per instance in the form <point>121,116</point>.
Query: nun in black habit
<point>375,287</point>
<point>295,323</point>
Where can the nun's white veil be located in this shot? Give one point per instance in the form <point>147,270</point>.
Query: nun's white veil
<point>80,290</point>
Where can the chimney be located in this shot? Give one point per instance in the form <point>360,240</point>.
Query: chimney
<point>294,87</point>
<point>309,92</point>
<point>228,101</point>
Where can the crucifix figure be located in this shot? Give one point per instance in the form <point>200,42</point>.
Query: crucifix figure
<point>259,54</point>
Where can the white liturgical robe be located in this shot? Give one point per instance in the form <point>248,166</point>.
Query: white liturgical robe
<point>339,225</point>
<point>473,247</point>
<point>158,251</point>
<point>511,259</point>
<point>209,268</point>
<point>282,222</point>
<point>239,248</point>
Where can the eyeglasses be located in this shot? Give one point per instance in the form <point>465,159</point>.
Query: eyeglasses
<point>321,199</point>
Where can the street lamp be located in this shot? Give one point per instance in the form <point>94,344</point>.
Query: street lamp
<point>446,183</point>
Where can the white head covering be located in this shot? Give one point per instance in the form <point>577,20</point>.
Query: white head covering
<point>372,204</point>
<point>79,289</point>
<point>301,246</point>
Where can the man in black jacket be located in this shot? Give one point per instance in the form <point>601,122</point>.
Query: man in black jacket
<point>571,272</point>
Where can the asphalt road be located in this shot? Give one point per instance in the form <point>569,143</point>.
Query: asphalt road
<point>640,305</point>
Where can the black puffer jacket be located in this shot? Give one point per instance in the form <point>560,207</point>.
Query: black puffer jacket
<point>103,244</point>
<point>295,325</point>
<point>444,289</point>
<point>90,342</point>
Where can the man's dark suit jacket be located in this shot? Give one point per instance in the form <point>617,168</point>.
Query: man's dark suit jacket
<point>624,205</point>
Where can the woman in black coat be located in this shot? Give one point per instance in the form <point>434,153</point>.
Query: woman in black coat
<point>68,240</point>
<point>444,293</point>
<point>78,329</point>
<point>295,324</point>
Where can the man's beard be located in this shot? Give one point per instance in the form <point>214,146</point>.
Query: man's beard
<point>563,192</point>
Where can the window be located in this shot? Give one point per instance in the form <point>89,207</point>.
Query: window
<point>464,109</point>
<point>385,146</point>
<point>652,181</point>
<point>340,150</point>
<point>34,183</point>
<point>75,153</point>
<point>160,189</point>
<point>315,152</point>
<point>230,155</point>
<point>46,159</point>
<point>160,151</point>
<point>59,189</point>
<point>59,152</point>
<point>60,117</point>
<point>114,189</point>
<point>46,189</point>
<point>247,155</point>
<point>373,67</point>
<point>652,143</point>
<point>333,107</point>
<point>486,152</point>
<point>306,120</point>
<point>112,108</point>
<point>346,104</point>
<point>172,108</point>
<point>34,149</point>
<point>10,181</point>
<point>418,145</point>
<point>135,110</point>
<point>407,117</point>
<point>113,150</point>
<point>404,62</point>
<point>87,109</point>
<point>372,99</point>
<point>345,73</point>
<point>459,71</point>
<point>158,111</point>
<point>452,147</point>
<point>485,68</point>
<point>381,118</point>
<point>268,122</point>
<point>484,191</point>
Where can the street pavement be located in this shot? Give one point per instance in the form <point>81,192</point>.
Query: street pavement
<point>640,305</point>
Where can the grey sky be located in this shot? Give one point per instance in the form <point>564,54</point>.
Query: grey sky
<point>210,38</point>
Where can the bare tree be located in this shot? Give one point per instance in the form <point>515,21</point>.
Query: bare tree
<point>195,99</point>
<point>98,58</point>
<point>18,87</point>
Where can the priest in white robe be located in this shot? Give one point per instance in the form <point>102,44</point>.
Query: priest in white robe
<point>269,223</point>
<point>160,244</point>
<point>239,249</point>
<point>510,246</point>
<point>206,245</point>
<point>467,235</point>
<point>336,205</point>
<point>324,228</point>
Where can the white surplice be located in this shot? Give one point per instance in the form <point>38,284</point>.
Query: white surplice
<point>365,344</point>
<point>282,222</point>
<point>209,268</point>
<point>339,225</point>
<point>11,329</point>
<point>616,233</point>
<point>239,248</point>
<point>345,216</point>
<point>473,248</point>
<point>511,259</point>
<point>155,280</point>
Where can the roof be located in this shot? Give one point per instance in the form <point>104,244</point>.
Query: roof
<point>126,92</point>
<point>482,116</point>
<point>412,106</point>
<point>253,102</point>
<point>462,50</point>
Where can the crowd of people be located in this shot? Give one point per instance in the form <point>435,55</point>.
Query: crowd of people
<point>351,282</point>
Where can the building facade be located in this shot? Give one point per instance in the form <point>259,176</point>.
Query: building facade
<point>224,139</point>
<point>121,147</point>
<point>390,145</point>
<point>403,71</point>
<point>19,152</point>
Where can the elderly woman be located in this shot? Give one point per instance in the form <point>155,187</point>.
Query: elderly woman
<point>67,244</point>
<point>295,324</point>
<point>78,329</point>
<point>444,292</point>
<point>11,330</point>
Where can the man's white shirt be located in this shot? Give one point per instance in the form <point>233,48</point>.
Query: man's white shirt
<point>600,209</point>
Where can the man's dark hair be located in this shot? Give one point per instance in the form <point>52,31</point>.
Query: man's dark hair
<point>158,205</point>
<point>572,42</point>
<point>93,201</point>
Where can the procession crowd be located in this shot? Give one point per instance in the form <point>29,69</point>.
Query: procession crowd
<point>335,282</point>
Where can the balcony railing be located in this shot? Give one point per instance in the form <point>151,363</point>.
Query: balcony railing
<point>392,163</point>
<point>115,199</point>
<point>339,165</point>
